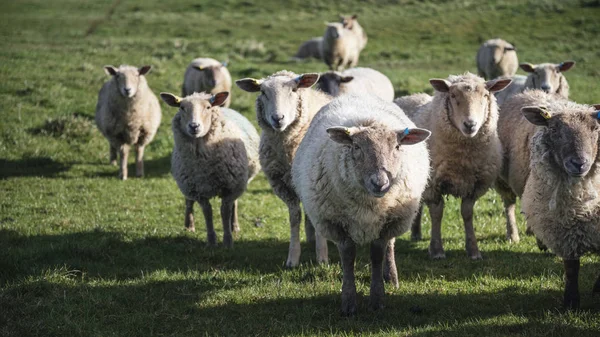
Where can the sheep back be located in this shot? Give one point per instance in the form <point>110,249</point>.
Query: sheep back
<point>497,58</point>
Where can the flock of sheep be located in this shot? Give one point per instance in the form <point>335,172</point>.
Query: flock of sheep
<point>363,164</point>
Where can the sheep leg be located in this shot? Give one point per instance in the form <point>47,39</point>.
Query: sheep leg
<point>309,229</point>
<point>322,250</point>
<point>596,289</point>
<point>295,218</point>
<point>378,249</point>
<point>227,218</point>
<point>235,225</point>
<point>124,154</point>
<point>509,199</point>
<point>347,250</point>
<point>466,210</point>
<point>415,230</point>
<point>390,272</point>
<point>113,154</point>
<point>211,236</point>
<point>189,215</point>
<point>139,160</point>
<point>436,212</point>
<point>571,297</point>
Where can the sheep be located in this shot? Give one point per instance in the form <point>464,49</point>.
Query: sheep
<point>515,133</point>
<point>350,22</point>
<point>360,172</point>
<point>560,200</point>
<point>284,109</point>
<point>547,77</point>
<point>357,80</point>
<point>207,75</point>
<point>311,48</point>
<point>410,104</point>
<point>497,58</point>
<point>340,47</point>
<point>465,151</point>
<point>127,114</point>
<point>215,154</point>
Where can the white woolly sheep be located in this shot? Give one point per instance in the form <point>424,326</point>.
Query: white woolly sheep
<point>412,103</point>
<point>547,77</point>
<point>215,154</point>
<point>465,151</point>
<point>311,48</point>
<point>350,22</point>
<point>207,75</point>
<point>357,80</point>
<point>284,109</point>
<point>341,47</point>
<point>360,179</point>
<point>560,201</point>
<point>127,114</point>
<point>497,58</point>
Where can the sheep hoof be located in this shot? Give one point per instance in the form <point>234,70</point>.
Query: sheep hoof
<point>122,177</point>
<point>348,307</point>
<point>476,257</point>
<point>228,241</point>
<point>436,253</point>
<point>211,239</point>
<point>190,229</point>
<point>235,228</point>
<point>291,264</point>
<point>571,302</point>
<point>376,305</point>
<point>513,238</point>
<point>113,162</point>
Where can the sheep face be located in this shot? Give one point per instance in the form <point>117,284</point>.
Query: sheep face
<point>330,82</point>
<point>375,153</point>
<point>127,78</point>
<point>572,138</point>
<point>333,31</point>
<point>348,21</point>
<point>547,76</point>
<point>195,111</point>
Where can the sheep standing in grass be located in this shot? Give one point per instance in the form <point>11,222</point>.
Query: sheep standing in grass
<point>341,47</point>
<point>311,48</point>
<point>128,114</point>
<point>560,201</point>
<point>497,58</point>
<point>412,103</point>
<point>284,109</point>
<point>360,172</point>
<point>357,80</point>
<point>547,77</point>
<point>465,151</point>
<point>215,154</point>
<point>207,75</point>
<point>350,22</point>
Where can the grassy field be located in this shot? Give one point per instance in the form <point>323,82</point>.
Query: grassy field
<point>84,254</point>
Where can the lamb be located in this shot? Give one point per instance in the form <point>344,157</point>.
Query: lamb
<point>341,47</point>
<point>127,114</point>
<point>311,48</point>
<point>412,103</point>
<point>360,172</point>
<point>497,58</point>
<point>546,76</point>
<point>215,154</point>
<point>284,109</point>
<point>207,75</point>
<point>560,201</point>
<point>357,80</point>
<point>350,22</point>
<point>465,151</point>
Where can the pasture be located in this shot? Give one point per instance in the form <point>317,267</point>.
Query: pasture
<point>85,254</point>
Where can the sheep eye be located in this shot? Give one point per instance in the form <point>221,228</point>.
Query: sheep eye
<point>398,147</point>
<point>294,89</point>
<point>453,95</point>
<point>356,147</point>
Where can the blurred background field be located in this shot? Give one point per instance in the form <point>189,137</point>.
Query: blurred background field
<point>84,254</point>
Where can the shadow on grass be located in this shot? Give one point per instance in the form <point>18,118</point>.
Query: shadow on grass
<point>31,167</point>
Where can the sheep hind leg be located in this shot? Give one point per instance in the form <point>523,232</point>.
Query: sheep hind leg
<point>294,250</point>
<point>322,249</point>
<point>509,199</point>
<point>415,230</point>
<point>189,215</point>
<point>436,212</point>
<point>571,295</point>
<point>113,155</point>
<point>390,272</point>
<point>211,236</point>
<point>235,225</point>
<point>123,156</point>
<point>309,229</point>
<point>227,210</point>
<point>347,250</point>
<point>139,160</point>
<point>466,210</point>
<point>378,249</point>
<point>596,289</point>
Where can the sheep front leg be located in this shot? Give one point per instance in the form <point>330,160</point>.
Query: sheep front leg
<point>139,161</point>
<point>309,229</point>
<point>347,250</point>
<point>466,210</point>
<point>235,226</point>
<point>113,154</point>
<point>415,229</point>
<point>378,248</point>
<point>227,218</point>
<point>211,236</point>
<point>295,218</point>
<point>189,215</point>
<point>571,296</point>
<point>123,154</point>
<point>436,212</point>
<point>390,271</point>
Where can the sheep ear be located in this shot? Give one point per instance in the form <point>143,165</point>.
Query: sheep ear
<point>355,16</point>
<point>306,80</point>
<point>110,70</point>
<point>219,98</point>
<point>249,84</point>
<point>170,99</point>
<point>527,67</point>
<point>346,79</point>
<point>199,68</point>
<point>341,134</point>
<point>536,115</point>
<point>564,66</point>
<point>410,136</point>
<point>440,84</point>
<point>509,48</point>
<point>497,85</point>
<point>143,70</point>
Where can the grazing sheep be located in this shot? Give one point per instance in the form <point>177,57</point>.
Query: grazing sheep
<point>350,22</point>
<point>360,179</point>
<point>497,58</point>
<point>465,151</point>
<point>311,48</point>
<point>207,75</point>
<point>412,103</point>
<point>341,47</point>
<point>215,154</point>
<point>515,134</point>
<point>547,77</point>
<point>284,109</point>
<point>128,114</point>
<point>560,201</point>
<point>357,80</point>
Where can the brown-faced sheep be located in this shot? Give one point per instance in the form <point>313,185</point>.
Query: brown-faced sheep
<point>341,47</point>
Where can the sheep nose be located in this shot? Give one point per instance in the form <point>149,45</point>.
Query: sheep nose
<point>127,90</point>
<point>546,87</point>
<point>194,127</point>
<point>380,183</point>
<point>578,163</point>
<point>470,125</point>
<point>277,120</point>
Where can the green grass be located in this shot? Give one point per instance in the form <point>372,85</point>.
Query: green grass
<point>84,254</point>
